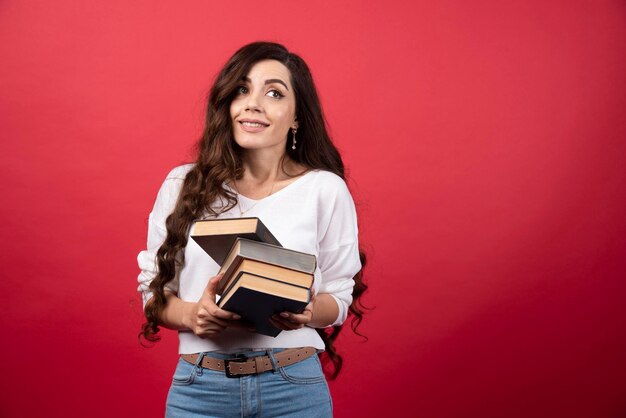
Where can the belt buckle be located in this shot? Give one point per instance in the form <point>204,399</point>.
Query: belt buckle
<point>237,359</point>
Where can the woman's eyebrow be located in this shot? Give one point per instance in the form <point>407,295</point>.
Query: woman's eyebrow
<point>270,81</point>
<point>276,80</point>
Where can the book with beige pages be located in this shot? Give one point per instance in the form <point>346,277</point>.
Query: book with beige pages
<point>257,298</point>
<point>267,260</point>
<point>216,236</point>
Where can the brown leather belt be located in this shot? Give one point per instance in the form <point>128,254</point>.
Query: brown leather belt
<point>241,366</point>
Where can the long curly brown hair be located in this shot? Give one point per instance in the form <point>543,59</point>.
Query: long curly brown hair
<point>219,161</point>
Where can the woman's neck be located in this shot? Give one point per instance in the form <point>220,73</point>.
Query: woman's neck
<point>261,168</point>
<point>269,167</point>
<point>263,174</point>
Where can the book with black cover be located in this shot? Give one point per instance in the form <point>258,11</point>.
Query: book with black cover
<point>257,299</point>
<point>216,236</point>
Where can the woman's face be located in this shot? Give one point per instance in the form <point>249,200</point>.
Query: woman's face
<point>264,109</point>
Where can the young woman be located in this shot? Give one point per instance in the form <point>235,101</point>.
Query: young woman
<point>266,153</point>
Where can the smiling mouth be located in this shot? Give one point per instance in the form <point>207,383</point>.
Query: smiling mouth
<point>254,124</point>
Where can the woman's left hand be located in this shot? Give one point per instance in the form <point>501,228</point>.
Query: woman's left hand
<point>289,320</point>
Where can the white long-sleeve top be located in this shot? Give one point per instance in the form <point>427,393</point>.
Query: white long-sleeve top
<point>314,214</point>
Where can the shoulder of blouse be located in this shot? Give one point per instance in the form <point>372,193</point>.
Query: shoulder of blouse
<point>180,172</point>
<point>330,183</point>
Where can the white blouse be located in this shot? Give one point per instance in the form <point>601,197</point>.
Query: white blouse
<point>314,214</point>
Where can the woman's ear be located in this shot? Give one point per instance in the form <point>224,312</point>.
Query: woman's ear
<point>294,125</point>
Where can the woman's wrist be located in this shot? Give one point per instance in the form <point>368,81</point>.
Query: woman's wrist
<point>188,310</point>
<point>177,314</point>
<point>324,311</point>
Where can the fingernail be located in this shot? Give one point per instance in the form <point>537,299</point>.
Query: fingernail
<point>284,314</point>
<point>236,316</point>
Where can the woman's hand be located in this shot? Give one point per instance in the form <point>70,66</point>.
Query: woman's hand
<point>289,320</point>
<point>205,318</point>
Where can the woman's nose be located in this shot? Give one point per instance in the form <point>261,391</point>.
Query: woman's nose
<point>252,103</point>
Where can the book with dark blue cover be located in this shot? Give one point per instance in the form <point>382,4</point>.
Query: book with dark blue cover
<point>257,299</point>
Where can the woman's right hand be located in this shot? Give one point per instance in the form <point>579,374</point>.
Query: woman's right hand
<point>205,318</point>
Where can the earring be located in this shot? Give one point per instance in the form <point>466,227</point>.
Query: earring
<point>293,143</point>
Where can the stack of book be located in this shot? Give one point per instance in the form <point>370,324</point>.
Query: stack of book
<point>261,278</point>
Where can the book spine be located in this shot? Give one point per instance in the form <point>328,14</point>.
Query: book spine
<point>227,279</point>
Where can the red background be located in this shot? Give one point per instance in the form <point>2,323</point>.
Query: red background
<point>485,143</point>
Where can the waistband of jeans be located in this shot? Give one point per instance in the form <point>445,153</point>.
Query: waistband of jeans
<point>249,361</point>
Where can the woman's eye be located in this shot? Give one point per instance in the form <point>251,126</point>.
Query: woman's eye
<point>275,94</point>
<point>242,90</point>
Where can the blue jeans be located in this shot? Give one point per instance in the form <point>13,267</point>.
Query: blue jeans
<point>299,390</point>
